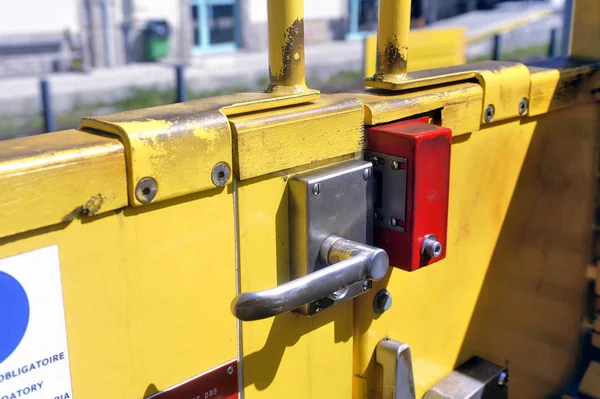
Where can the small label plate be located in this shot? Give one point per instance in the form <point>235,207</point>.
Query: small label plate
<point>218,383</point>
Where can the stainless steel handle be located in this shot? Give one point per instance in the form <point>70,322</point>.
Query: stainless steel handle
<point>350,262</point>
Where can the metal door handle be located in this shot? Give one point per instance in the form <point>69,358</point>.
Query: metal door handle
<point>350,262</point>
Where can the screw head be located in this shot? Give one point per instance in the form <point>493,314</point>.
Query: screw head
<point>382,301</point>
<point>146,190</point>
<point>393,222</point>
<point>220,174</point>
<point>395,165</point>
<point>374,160</point>
<point>230,370</point>
<point>488,114</point>
<point>523,106</point>
<point>367,284</point>
<point>367,174</point>
<point>316,189</point>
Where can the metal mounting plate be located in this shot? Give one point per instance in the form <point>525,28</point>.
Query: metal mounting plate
<point>333,200</point>
<point>389,190</point>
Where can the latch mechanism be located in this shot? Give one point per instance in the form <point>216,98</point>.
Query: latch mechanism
<point>411,169</point>
<point>330,219</point>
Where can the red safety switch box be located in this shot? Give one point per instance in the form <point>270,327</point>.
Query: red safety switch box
<point>411,167</point>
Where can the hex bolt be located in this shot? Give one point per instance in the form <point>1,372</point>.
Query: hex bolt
<point>367,174</point>
<point>220,174</point>
<point>316,189</point>
<point>503,379</point>
<point>488,114</point>
<point>523,106</point>
<point>393,222</point>
<point>395,165</point>
<point>230,370</point>
<point>382,301</point>
<point>374,160</point>
<point>145,190</point>
<point>367,284</point>
<point>431,247</point>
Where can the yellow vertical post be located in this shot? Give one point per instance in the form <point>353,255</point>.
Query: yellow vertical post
<point>286,46</point>
<point>585,29</point>
<point>392,41</point>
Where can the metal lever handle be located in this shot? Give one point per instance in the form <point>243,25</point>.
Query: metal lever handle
<point>351,262</point>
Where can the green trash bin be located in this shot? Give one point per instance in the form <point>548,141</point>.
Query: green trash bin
<point>157,38</point>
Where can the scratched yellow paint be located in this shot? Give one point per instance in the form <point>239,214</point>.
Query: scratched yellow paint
<point>286,138</point>
<point>47,179</point>
<point>146,293</point>
<point>427,48</point>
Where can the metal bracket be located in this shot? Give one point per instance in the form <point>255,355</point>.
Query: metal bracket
<point>332,200</point>
<point>477,378</point>
<point>389,191</point>
<point>505,85</point>
<point>172,150</point>
<point>398,381</point>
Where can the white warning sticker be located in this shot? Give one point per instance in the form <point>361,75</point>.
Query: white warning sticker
<point>34,360</point>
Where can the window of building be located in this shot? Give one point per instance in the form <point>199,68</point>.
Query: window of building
<point>215,25</point>
<point>363,17</point>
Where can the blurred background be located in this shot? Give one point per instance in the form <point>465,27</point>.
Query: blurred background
<point>61,60</point>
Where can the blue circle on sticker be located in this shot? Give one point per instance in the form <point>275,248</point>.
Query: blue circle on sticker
<point>14,314</point>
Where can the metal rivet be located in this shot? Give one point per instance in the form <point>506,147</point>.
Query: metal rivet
<point>230,370</point>
<point>382,301</point>
<point>220,174</point>
<point>488,114</point>
<point>146,190</point>
<point>523,106</point>
<point>431,247</point>
<point>367,284</point>
<point>317,189</point>
<point>367,174</point>
<point>393,222</point>
<point>395,165</point>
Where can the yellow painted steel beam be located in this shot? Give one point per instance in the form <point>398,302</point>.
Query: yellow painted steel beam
<point>59,177</point>
<point>289,137</point>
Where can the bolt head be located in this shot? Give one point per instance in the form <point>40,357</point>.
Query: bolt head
<point>145,190</point>
<point>393,222</point>
<point>488,114</point>
<point>395,165</point>
<point>230,370</point>
<point>367,174</point>
<point>374,161</point>
<point>523,106</point>
<point>220,174</point>
<point>316,189</point>
<point>367,284</point>
<point>382,301</point>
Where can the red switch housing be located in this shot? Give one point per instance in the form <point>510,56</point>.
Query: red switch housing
<point>412,177</point>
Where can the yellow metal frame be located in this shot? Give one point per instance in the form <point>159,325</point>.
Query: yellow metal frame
<point>147,289</point>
